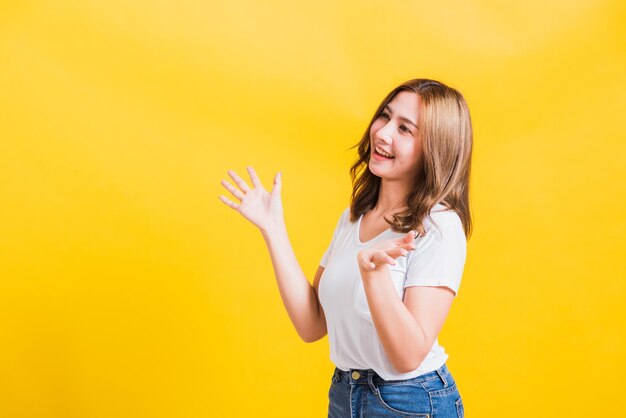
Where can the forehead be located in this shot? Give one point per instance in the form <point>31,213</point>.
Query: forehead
<point>405,102</point>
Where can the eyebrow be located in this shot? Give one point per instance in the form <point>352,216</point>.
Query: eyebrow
<point>407,120</point>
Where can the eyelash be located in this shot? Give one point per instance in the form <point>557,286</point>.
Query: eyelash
<point>402,126</point>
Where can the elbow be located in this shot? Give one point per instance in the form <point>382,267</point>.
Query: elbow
<point>306,338</point>
<point>311,338</point>
<point>406,369</point>
<point>410,364</point>
<point>314,333</point>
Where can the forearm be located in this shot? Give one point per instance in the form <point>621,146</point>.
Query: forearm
<point>296,292</point>
<point>400,334</point>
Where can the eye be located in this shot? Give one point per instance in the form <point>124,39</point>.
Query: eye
<point>402,127</point>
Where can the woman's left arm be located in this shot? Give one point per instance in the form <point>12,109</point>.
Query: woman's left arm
<point>407,329</point>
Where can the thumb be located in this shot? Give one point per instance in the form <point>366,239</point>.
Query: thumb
<point>277,183</point>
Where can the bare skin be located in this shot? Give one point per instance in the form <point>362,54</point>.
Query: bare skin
<point>265,211</point>
<point>407,326</point>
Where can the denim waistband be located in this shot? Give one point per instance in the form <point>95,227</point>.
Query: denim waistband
<point>362,376</point>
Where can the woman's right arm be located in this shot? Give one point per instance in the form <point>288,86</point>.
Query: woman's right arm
<point>265,211</point>
<point>299,297</point>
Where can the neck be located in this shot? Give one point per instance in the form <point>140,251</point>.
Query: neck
<point>391,196</point>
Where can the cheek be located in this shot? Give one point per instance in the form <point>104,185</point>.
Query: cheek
<point>378,123</point>
<point>409,152</point>
<point>412,157</point>
<point>416,151</point>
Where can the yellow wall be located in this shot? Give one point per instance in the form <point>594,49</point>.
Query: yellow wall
<point>129,290</point>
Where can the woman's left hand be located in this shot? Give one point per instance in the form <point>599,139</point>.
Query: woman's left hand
<point>385,252</point>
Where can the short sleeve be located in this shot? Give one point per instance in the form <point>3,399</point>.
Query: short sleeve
<point>329,249</point>
<point>439,258</point>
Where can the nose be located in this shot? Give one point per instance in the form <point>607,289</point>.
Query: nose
<point>382,137</point>
<point>384,133</point>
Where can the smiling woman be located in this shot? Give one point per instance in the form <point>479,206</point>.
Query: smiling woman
<point>388,283</point>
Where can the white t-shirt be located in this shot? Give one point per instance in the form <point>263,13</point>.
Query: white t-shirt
<point>437,260</point>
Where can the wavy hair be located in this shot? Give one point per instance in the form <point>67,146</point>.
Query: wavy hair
<point>444,175</point>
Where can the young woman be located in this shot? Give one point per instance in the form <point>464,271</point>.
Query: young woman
<point>395,261</point>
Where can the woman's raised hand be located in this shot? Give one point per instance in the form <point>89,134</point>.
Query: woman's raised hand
<point>263,209</point>
<point>386,252</point>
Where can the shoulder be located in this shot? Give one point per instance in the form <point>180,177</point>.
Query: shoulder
<point>444,240</point>
<point>442,218</point>
<point>345,216</point>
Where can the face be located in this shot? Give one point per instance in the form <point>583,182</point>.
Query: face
<point>395,132</point>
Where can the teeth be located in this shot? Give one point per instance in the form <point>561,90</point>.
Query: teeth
<point>383,153</point>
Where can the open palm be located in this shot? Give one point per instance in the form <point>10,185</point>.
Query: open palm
<point>386,252</point>
<point>264,209</point>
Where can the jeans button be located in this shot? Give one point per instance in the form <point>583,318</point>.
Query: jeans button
<point>356,375</point>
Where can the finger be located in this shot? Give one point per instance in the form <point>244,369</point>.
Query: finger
<point>407,239</point>
<point>407,247</point>
<point>382,257</point>
<point>397,252</point>
<point>230,203</point>
<point>410,236</point>
<point>393,252</point>
<point>368,260</point>
<point>255,179</point>
<point>232,189</point>
<point>240,182</point>
<point>278,182</point>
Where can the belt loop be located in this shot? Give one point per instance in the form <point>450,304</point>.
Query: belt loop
<point>442,377</point>
<point>337,374</point>
<point>370,381</point>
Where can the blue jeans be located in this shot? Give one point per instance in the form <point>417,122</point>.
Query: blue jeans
<point>361,393</point>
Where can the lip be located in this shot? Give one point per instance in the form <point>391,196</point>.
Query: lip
<point>379,157</point>
<point>382,148</point>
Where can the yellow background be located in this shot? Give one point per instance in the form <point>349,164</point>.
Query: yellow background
<point>129,290</point>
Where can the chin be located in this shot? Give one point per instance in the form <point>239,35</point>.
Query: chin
<point>374,170</point>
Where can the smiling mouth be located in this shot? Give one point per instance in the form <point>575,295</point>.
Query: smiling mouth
<point>387,156</point>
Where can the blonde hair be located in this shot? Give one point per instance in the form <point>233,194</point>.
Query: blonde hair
<point>444,175</point>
